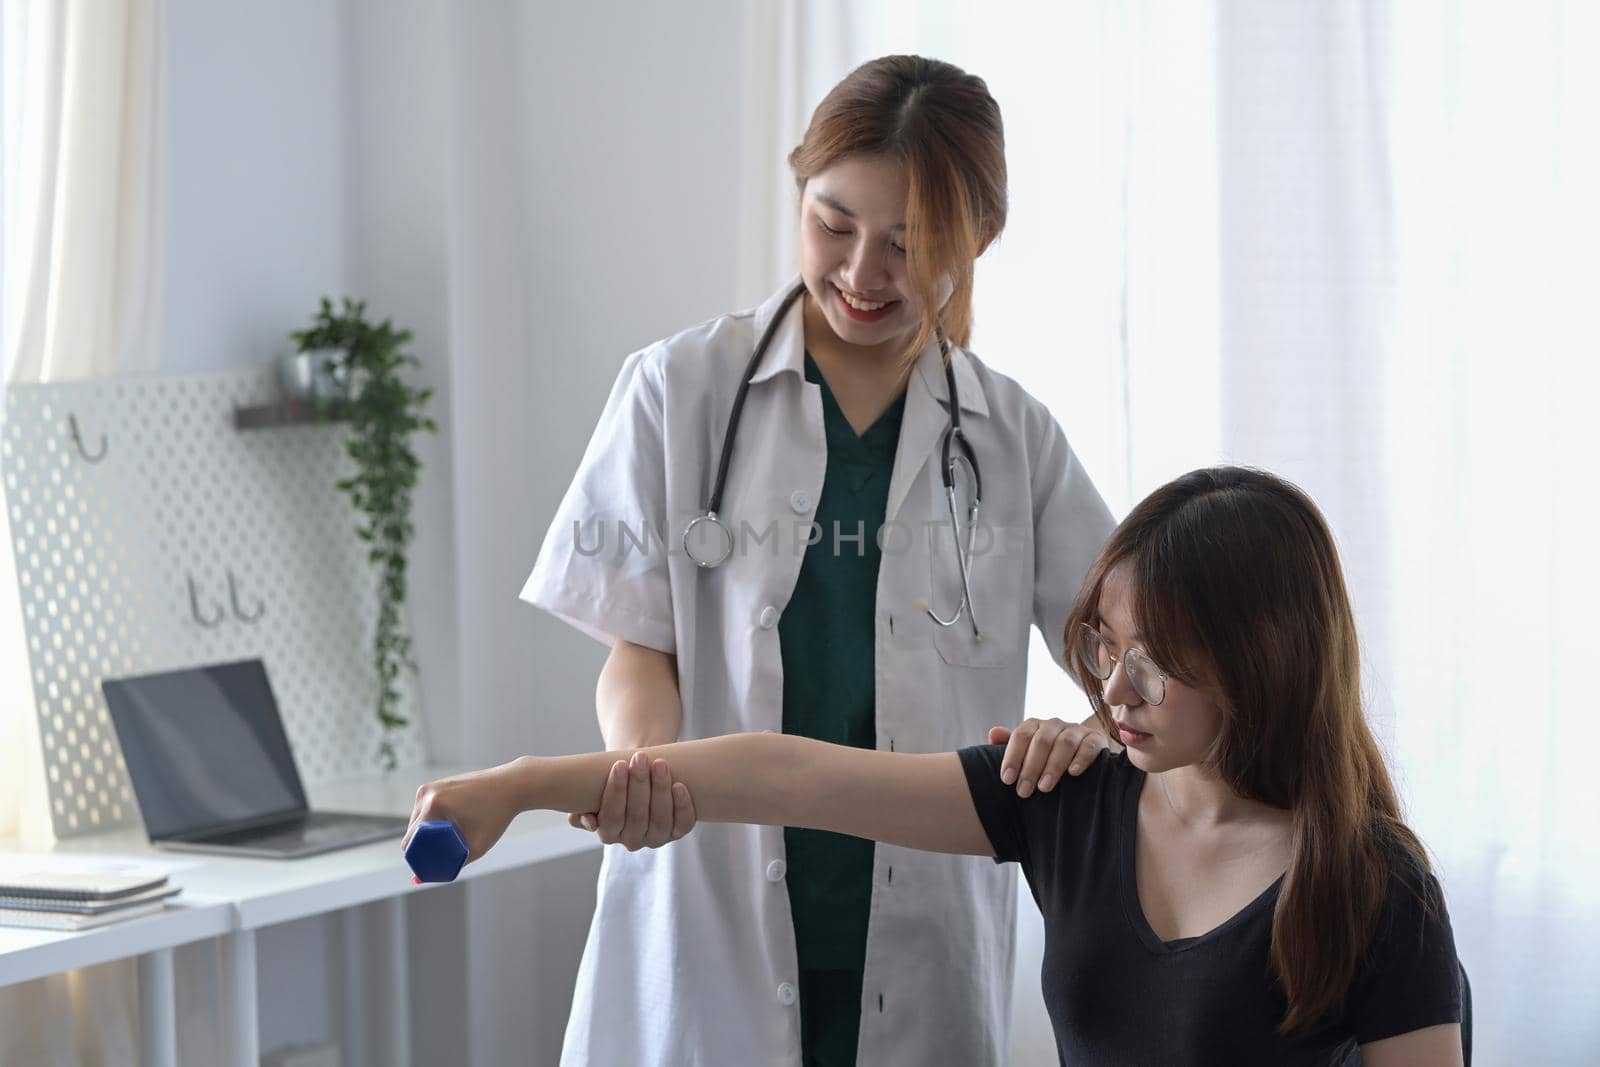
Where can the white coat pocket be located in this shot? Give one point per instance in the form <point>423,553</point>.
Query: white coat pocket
<point>1001,581</point>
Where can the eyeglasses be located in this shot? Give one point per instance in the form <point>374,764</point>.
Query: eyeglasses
<point>1148,680</point>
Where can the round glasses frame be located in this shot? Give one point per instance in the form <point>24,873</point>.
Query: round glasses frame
<point>1147,679</point>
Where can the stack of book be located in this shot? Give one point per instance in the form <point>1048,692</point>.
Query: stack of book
<point>60,900</point>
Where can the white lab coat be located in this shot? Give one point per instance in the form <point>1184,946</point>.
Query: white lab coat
<point>691,955</point>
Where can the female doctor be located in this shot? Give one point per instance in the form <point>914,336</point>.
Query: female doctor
<point>762,530</point>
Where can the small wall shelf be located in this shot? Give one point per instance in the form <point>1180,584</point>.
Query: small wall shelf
<point>289,413</point>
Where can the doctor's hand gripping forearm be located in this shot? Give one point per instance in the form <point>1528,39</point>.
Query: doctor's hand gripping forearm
<point>917,801</point>
<point>638,705</point>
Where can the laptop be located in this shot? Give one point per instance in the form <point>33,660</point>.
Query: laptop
<point>211,766</point>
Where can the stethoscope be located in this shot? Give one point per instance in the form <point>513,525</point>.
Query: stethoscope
<point>708,541</point>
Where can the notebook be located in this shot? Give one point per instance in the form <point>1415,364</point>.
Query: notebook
<point>55,920</point>
<point>75,885</point>
<point>89,907</point>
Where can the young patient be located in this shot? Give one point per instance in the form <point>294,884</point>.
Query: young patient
<point>1236,886</point>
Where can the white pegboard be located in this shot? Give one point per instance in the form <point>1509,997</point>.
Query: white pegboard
<point>107,552</point>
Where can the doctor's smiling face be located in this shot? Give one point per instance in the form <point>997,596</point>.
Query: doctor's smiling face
<point>902,180</point>
<point>853,254</point>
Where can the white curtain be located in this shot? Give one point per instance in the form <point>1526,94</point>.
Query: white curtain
<point>82,187</point>
<point>1491,443</point>
<point>80,218</point>
<point>1352,244</point>
<point>79,212</point>
<point>1406,218</point>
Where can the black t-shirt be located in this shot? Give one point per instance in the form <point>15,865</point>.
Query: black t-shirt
<point>1117,994</point>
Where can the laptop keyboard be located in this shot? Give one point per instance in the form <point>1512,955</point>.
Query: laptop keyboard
<point>309,831</point>
<point>303,835</point>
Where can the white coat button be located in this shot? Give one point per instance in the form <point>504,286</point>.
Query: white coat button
<point>776,870</point>
<point>785,993</point>
<point>800,500</point>
<point>769,617</point>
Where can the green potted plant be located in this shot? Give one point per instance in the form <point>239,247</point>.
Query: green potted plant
<point>383,411</point>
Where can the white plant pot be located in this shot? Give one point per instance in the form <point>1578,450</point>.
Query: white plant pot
<point>297,377</point>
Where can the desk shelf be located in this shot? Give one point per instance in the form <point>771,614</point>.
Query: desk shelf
<point>290,413</point>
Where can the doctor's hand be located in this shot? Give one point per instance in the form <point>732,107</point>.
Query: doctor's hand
<point>1039,751</point>
<point>642,807</point>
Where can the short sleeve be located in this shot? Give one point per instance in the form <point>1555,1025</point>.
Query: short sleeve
<point>999,807</point>
<point>603,566</point>
<point>1040,831</point>
<point>1070,522</point>
<point>1412,978</point>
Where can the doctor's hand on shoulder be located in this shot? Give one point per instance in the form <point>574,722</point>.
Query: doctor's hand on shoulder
<point>1040,751</point>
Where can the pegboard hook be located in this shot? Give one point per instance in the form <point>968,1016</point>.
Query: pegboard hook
<point>194,606</point>
<point>77,440</point>
<point>240,613</point>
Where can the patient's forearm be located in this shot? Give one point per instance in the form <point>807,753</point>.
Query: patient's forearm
<point>920,801</point>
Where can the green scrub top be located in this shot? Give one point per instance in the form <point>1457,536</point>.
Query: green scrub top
<point>826,636</point>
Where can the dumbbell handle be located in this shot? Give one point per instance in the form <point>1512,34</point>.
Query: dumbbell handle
<point>436,852</point>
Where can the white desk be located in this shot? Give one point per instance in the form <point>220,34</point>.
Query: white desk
<point>231,898</point>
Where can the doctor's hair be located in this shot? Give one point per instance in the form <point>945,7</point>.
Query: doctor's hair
<point>1238,592</point>
<point>943,127</point>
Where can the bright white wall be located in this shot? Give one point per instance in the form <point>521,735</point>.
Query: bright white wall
<point>393,114</point>
<point>255,177</point>
<point>603,219</point>
<point>593,205</point>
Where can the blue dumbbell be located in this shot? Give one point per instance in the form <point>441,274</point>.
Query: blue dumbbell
<point>437,851</point>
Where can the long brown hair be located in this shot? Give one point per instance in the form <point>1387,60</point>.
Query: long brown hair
<point>1239,593</point>
<point>943,127</point>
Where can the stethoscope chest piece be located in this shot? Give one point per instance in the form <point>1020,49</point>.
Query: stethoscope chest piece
<point>707,540</point>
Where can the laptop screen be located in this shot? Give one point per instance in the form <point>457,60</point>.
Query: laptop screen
<point>205,748</point>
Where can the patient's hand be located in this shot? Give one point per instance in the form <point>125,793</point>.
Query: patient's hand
<point>642,807</point>
<point>480,803</point>
<point>1040,750</point>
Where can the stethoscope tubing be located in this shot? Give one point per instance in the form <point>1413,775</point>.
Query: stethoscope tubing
<point>954,438</point>
<point>735,416</point>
